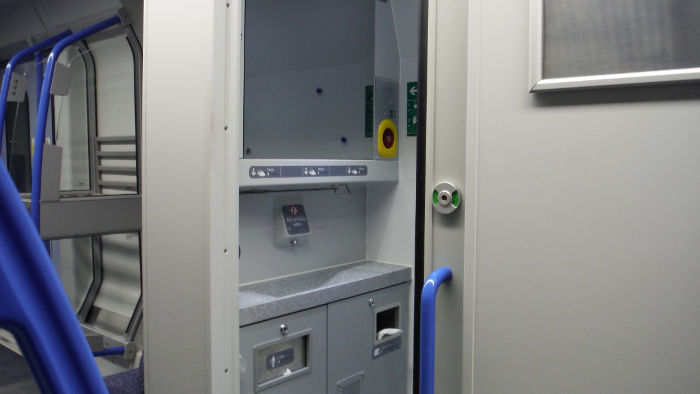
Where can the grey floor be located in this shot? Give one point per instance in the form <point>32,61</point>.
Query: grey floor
<point>15,376</point>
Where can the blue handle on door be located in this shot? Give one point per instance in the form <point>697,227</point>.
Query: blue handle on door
<point>427,328</point>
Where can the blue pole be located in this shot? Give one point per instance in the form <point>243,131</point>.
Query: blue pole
<point>40,134</point>
<point>14,61</point>
<point>427,328</point>
<point>35,307</point>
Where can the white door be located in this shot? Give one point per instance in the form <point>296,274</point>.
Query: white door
<point>575,254</point>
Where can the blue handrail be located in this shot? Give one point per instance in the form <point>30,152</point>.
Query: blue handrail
<point>427,328</point>
<point>19,57</point>
<point>35,307</point>
<point>40,134</point>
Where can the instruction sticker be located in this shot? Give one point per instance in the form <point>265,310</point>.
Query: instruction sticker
<point>386,347</point>
<point>279,359</point>
<point>295,219</point>
<point>412,109</point>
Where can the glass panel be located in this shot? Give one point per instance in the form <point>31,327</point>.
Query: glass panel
<point>20,119</point>
<point>100,87</point>
<point>73,261</point>
<point>71,120</point>
<point>116,114</point>
<point>307,66</point>
<point>121,283</point>
<point>597,37</point>
<point>16,144</point>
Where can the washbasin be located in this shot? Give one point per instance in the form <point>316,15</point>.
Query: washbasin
<point>276,297</point>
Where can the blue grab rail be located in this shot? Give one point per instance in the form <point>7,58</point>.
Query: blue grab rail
<point>35,307</point>
<point>427,328</point>
<point>19,57</point>
<point>40,135</point>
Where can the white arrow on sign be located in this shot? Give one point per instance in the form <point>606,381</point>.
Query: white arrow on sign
<point>414,90</point>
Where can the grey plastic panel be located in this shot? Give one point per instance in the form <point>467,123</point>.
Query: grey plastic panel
<point>290,172</point>
<point>338,233</point>
<point>311,322</point>
<point>70,217</point>
<point>352,342</point>
<point>307,64</point>
<point>51,173</point>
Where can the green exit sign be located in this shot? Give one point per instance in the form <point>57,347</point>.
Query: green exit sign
<point>412,109</point>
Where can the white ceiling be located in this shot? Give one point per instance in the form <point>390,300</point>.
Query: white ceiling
<point>24,20</point>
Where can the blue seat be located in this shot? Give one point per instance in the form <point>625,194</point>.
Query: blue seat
<point>35,308</point>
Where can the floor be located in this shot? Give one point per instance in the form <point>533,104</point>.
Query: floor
<point>15,376</point>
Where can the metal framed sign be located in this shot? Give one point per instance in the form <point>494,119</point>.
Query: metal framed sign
<point>602,43</point>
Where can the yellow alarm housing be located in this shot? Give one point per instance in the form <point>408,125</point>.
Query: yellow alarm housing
<point>387,139</point>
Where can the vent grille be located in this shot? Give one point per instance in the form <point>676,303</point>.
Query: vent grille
<point>351,385</point>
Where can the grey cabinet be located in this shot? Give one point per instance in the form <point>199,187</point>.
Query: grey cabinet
<point>334,349</point>
<point>359,362</point>
<point>285,355</point>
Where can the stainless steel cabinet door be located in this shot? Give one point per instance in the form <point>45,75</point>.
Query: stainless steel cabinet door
<point>359,362</point>
<point>286,355</point>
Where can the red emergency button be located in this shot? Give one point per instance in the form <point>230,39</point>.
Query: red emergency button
<point>387,144</point>
<point>388,138</point>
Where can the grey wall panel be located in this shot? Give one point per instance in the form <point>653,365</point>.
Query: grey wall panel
<point>292,49</point>
<point>286,118</point>
<point>307,34</point>
<point>588,228</point>
<point>386,51</point>
<point>338,233</point>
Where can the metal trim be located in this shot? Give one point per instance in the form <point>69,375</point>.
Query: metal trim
<point>94,288</point>
<point>137,53</point>
<point>419,269</point>
<point>539,84</point>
